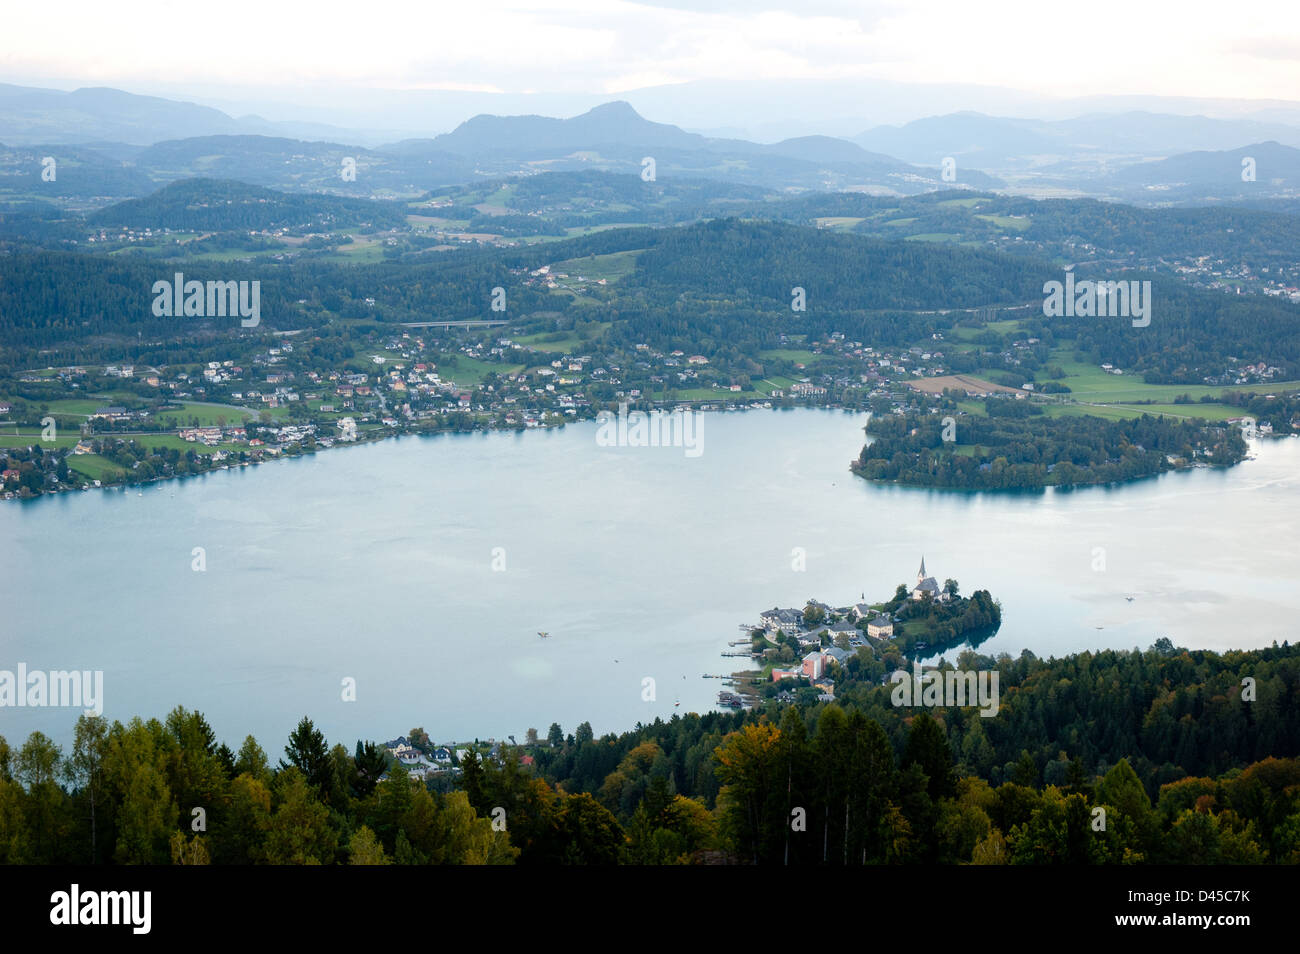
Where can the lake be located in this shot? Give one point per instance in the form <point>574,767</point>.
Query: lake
<point>424,569</point>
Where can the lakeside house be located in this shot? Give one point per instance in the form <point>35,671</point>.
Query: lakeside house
<point>204,435</point>
<point>788,620</point>
<point>881,627</point>
<point>842,628</point>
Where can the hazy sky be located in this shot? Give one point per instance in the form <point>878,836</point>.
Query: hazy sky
<point>1170,47</point>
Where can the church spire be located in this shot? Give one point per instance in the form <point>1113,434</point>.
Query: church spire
<point>921,574</point>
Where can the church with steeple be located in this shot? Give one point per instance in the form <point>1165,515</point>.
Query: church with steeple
<point>926,585</point>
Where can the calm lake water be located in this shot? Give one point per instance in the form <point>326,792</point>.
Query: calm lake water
<point>376,563</point>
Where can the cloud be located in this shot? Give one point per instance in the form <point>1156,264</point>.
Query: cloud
<point>867,14</point>
<point>610,46</point>
<point>1286,49</point>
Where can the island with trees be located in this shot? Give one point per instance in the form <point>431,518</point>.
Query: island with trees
<point>1015,445</point>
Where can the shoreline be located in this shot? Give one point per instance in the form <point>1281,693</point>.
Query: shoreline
<point>479,428</point>
<point>1039,490</point>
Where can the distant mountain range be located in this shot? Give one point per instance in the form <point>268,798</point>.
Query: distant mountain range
<point>1264,167</point>
<point>30,116</point>
<point>1004,144</point>
<point>612,137</point>
<point>111,145</point>
<point>616,138</point>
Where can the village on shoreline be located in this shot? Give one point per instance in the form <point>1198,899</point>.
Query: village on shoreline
<point>808,650</point>
<point>814,648</point>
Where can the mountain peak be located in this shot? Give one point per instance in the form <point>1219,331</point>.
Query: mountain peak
<point>615,109</point>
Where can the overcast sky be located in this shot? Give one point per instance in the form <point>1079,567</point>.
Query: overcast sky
<point>1185,48</point>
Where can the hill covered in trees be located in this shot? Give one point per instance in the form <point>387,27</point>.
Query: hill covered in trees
<point>725,287</point>
<point>206,205</point>
<point>722,287</point>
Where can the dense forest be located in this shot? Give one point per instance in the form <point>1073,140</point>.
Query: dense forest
<point>702,286</point>
<point>1190,757</point>
<point>1017,446</point>
<point>55,296</point>
<point>730,261</point>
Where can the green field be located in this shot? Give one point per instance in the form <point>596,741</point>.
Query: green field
<point>610,267</point>
<point>470,372</point>
<point>207,414</point>
<point>1088,383</point>
<point>1006,222</point>
<point>1120,412</point>
<point>1103,411</point>
<point>362,251</point>
<point>575,231</point>
<point>84,407</point>
<point>768,385</point>
<point>94,467</point>
<point>713,395</point>
<point>1099,393</point>
<point>24,437</point>
<point>1211,412</point>
<point>968,333</point>
<point>841,222</point>
<point>790,354</point>
<point>566,345</point>
<point>172,442</point>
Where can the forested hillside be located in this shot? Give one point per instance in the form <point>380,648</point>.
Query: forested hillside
<point>723,287</point>
<point>1191,757</point>
<point>224,205</point>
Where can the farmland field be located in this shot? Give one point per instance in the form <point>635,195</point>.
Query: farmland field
<point>965,382</point>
